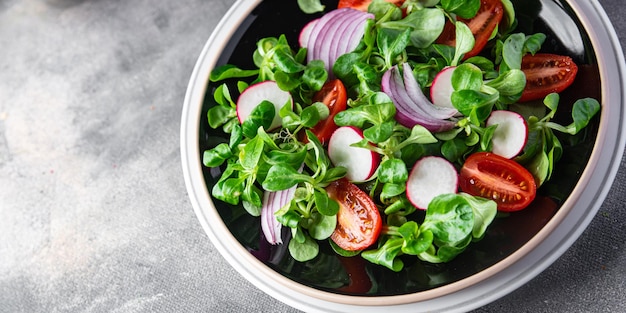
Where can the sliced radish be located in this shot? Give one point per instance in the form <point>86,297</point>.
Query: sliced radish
<point>441,89</point>
<point>360,163</point>
<point>510,135</point>
<point>431,176</point>
<point>303,39</point>
<point>257,93</point>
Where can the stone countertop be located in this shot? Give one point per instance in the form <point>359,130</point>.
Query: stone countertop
<point>94,214</point>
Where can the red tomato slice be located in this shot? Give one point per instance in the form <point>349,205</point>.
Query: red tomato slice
<point>546,73</point>
<point>362,4</point>
<point>482,26</point>
<point>333,95</point>
<point>358,220</point>
<point>503,180</point>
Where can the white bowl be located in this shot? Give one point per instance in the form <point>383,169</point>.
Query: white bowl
<point>465,292</point>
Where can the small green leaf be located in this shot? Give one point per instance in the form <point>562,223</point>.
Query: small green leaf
<point>582,112</point>
<point>251,153</point>
<point>464,42</point>
<point>392,171</point>
<point>220,115</point>
<point>386,255</point>
<point>379,133</point>
<point>426,25</point>
<point>286,62</point>
<point>484,212</point>
<point>288,218</point>
<point>551,101</point>
<point>322,226</point>
<point>392,43</point>
<point>261,116</point>
<point>467,76</point>
<point>454,149</point>
<point>315,75</point>
<point>462,8</point>
<point>450,217</point>
<point>534,42</point>
<point>303,251</point>
<point>229,190</point>
<point>281,177</point>
<point>539,166</point>
<point>324,204</point>
<point>391,190</point>
<point>286,81</point>
<point>415,241</point>
<point>512,51</point>
<point>474,104</point>
<point>251,197</point>
<point>216,156</point>
<point>340,251</point>
<point>230,71</point>
<point>310,6</point>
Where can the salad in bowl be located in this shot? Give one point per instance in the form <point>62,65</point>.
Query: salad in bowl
<point>393,129</point>
<point>393,149</point>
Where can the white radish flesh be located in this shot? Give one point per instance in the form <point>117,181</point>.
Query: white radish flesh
<point>360,163</point>
<point>303,39</point>
<point>257,93</point>
<point>441,89</point>
<point>510,135</point>
<point>431,176</point>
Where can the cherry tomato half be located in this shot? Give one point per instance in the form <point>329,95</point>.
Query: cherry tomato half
<point>482,26</point>
<point>362,4</point>
<point>333,95</point>
<point>500,179</point>
<point>358,220</point>
<point>546,73</point>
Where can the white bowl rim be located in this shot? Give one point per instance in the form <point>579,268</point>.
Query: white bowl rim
<point>488,285</point>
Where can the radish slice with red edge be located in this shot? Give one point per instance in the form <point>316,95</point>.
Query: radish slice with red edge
<point>257,93</point>
<point>510,135</point>
<point>412,106</point>
<point>431,176</point>
<point>272,202</point>
<point>360,163</point>
<point>305,33</point>
<point>441,89</point>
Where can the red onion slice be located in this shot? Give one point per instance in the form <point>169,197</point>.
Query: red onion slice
<point>410,112</point>
<point>415,92</point>
<point>336,33</point>
<point>339,44</point>
<point>272,202</point>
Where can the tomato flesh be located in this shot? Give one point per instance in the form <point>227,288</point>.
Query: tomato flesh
<point>546,73</point>
<point>482,26</point>
<point>358,220</point>
<point>500,179</point>
<point>362,4</point>
<point>333,95</point>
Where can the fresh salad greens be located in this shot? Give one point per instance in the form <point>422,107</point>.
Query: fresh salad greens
<point>259,160</point>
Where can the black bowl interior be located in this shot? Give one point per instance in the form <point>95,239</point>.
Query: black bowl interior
<point>354,276</point>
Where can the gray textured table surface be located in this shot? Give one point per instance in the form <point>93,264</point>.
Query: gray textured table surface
<point>94,215</point>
